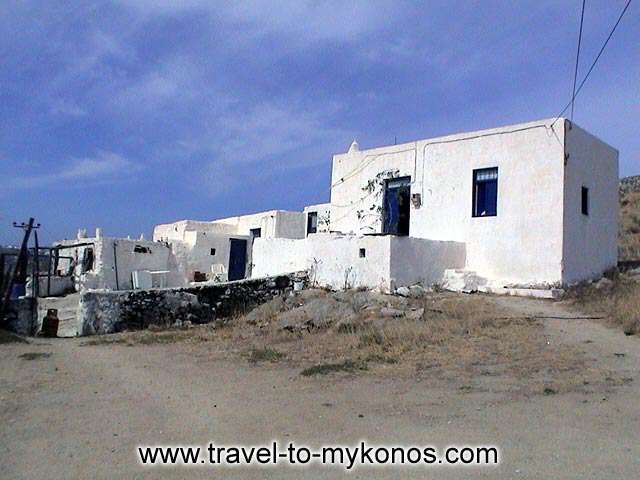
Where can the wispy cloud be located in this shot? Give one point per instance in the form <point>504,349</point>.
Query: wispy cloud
<point>105,165</point>
<point>249,97</point>
<point>265,141</point>
<point>301,21</point>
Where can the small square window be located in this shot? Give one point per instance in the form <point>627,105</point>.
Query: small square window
<point>213,251</point>
<point>585,201</point>
<point>255,232</point>
<point>363,253</point>
<point>485,192</point>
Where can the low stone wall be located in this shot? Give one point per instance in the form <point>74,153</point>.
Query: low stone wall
<point>108,312</point>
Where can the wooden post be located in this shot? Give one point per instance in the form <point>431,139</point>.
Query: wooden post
<point>115,262</point>
<point>35,276</point>
<point>21,263</point>
<point>49,275</point>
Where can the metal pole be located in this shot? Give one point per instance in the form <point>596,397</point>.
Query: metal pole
<point>35,284</point>
<point>2,275</point>
<point>49,275</point>
<point>20,266</point>
<point>36,267</point>
<point>115,263</point>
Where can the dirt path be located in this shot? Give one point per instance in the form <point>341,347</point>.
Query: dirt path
<point>566,325</point>
<point>81,411</point>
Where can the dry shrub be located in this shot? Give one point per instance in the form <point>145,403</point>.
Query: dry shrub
<point>197,334</point>
<point>265,355</point>
<point>620,302</point>
<point>629,235</point>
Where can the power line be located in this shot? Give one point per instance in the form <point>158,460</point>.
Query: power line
<point>594,62</point>
<point>575,73</point>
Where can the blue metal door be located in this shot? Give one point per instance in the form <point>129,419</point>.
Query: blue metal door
<point>237,258</point>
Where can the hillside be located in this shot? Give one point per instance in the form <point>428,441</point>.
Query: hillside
<point>629,235</point>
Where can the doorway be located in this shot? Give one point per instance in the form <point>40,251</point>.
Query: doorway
<point>237,259</point>
<point>397,198</point>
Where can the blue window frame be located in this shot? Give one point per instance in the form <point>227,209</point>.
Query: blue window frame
<point>485,192</point>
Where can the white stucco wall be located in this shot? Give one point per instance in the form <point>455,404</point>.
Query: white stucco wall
<point>290,224</point>
<point>103,273</point>
<point>521,245</point>
<point>192,241</point>
<point>333,260</point>
<point>161,258</point>
<point>177,230</point>
<point>590,241</point>
<point>196,254</point>
<point>417,260</point>
<point>272,223</point>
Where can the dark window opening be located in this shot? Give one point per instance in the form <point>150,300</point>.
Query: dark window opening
<point>87,260</point>
<point>585,201</point>
<point>312,222</point>
<point>485,192</point>
<point>397,206</point>
<point>141,249</point>
<point>256,232</point>
<point>363,253</point>
<point>213,251</point>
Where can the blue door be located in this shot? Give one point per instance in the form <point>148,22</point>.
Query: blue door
<point>237,258</point>
<point>396,209</point>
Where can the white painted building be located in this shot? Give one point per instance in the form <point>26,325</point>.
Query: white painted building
<point>221,250</point>
<point>527,206</point>
<point>531,205</point>
<point>110,263</point>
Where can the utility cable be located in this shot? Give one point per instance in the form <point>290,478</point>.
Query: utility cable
<point>575,73</point>
<point>594,62</point>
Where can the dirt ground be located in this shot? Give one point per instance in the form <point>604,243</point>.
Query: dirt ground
<point>71,408</point>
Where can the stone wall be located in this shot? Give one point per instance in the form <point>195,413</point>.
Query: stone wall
<point>108,312</point>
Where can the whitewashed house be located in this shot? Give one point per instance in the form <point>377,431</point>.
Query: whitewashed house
<point>221,250</point>
<point>110,263</point>
<point>510,209</point>
<point>515,209</point>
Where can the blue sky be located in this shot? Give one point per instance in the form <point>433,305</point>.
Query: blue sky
<point>126,114</point>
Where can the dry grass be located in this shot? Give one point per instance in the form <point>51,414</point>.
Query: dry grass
<point>629,236</point>
<point>467,341</point>
<point>326,368</point>
<point>199,334</point>
<point>34,355</point>
<point>619,303</point>
<point>462,340</point>
<point>265,355</point>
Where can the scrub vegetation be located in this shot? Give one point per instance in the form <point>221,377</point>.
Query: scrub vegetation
<point>468,342</point>
<point>617,299</point>
<point>629,238</point>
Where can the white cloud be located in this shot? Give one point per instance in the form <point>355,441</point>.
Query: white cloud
<point>301,21</point>
<point>105,165</point>
<point>253,146</point>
